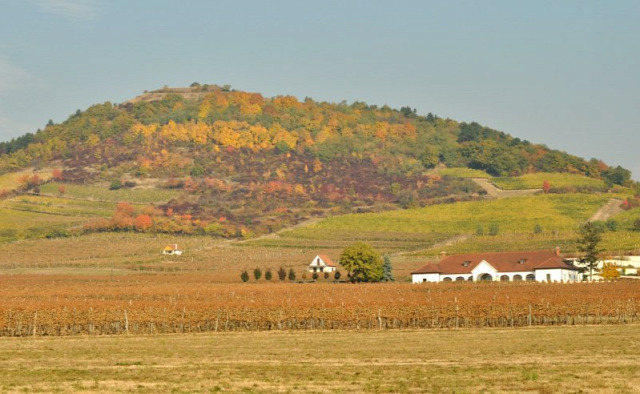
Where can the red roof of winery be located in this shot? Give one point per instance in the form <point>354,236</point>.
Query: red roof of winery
<point>502,262</point>
<point>327,260</point>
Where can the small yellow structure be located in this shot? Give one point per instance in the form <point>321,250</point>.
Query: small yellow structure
<point>172,250</point>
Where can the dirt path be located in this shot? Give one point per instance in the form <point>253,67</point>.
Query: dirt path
<point>276,234</point>
<point>610,209</point>
<point>493,191</point>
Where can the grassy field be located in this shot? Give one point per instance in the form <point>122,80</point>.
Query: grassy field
<point>535,181</point>
<point>410,236</point>
<point>20,224</point>
<point>557,212</point>
<point>462,173</point>
<point>572,359</point>
<point>102,193</point>
<point>135,253</point>
<point>59,206</point>
<point>523,223</point>
<point>11,180</point>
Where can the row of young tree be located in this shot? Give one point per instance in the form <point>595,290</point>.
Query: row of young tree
<point>360,260</point>
<point>291,275</point>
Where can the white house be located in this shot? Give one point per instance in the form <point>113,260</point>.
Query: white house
<point>321,263</point>
<point>539,266</point>
<point>172,249</point>
<point>628,266</point>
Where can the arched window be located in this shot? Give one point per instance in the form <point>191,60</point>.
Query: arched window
<point>459,279</point>
<point>504,278</point>
<point>531,278</point>
<point>447,279</point>
<point>470,278</point>
<point>486,277</point>
<point>517,278</point>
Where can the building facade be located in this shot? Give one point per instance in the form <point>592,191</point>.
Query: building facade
<point>539,266</point>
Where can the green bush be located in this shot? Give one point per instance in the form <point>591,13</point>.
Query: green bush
<point>244,276</point>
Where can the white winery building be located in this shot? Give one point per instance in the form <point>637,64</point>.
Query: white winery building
<point>539,266</point>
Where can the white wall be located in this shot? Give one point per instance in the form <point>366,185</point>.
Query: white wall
<point>484,268</point>
<point>557,275</point>
<point>523,275</point>
<point>455,276</point>
<point>419,278</point>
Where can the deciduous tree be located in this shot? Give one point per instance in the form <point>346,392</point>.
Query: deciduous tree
<point>362,262</point>
<point>609,271</point>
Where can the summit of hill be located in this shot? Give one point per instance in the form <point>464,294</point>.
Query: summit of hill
<point>238,163</point>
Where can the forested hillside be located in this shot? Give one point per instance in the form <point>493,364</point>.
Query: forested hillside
<point>245,163</point>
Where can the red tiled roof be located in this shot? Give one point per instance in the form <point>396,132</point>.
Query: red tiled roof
<point>327,260</point>
<point>502,262</point>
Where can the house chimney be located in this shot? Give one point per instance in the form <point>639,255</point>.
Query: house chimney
<point>443,254</point>
<point>557,251</point>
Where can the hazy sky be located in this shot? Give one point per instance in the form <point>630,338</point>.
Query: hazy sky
<point>562,73</point>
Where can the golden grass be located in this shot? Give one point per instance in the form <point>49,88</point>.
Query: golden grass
<point>463,173</point>
<point>589,359</point>
<point>518,214</point>
<point>102,193</point>
<point>535,181</point>
<point>19,224</point>
<point>11,180</point>
<point>135,252</point>
<point>59,206</point>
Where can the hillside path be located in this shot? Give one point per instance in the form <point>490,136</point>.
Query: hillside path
<point>438,245</point>
<point>276,234</point>
<point>610,209</point>
<point>493,191</point>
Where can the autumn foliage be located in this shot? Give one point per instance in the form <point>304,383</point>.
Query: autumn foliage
<point>266,163</point>
<point>137,305</point>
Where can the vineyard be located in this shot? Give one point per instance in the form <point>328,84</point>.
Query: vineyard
<point>555,180</point>
<point>43,305</point>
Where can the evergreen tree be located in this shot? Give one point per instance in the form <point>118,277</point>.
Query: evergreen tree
<point>292,274</point>
<point>589,245</point>
<point>244,276</point>
<point>267,274</point>
<point>282,274</point>
<point>257,273</point>
<point>387,275</point>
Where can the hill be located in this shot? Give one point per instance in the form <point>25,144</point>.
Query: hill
<point>232,163</point>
